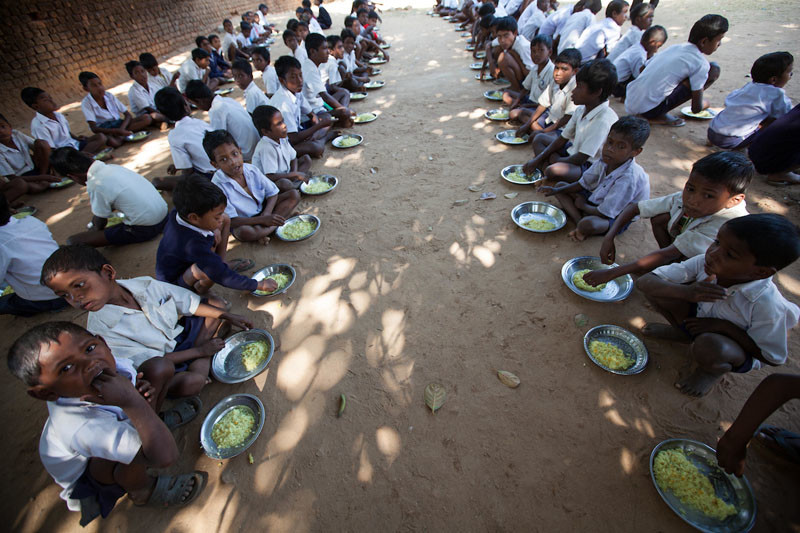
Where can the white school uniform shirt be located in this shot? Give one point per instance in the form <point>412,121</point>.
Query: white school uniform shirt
<point>140,97</point>
<point>141,335</point>
<point>612,192</point>
<point>558,100</point>
<point>573,28</point>
<point>228,39</point>
<point>521,46</point>
<point>94,113</point>
<point>186,144</point>
<point>190,71</point>
<point>698,233</point>
<point>747,107</point>
<point>329,72</point>
<point>629,63</point>
<point>757,307</point>
<point>274,157</point>
<point>314,27</point>
<point>292,106</point>
<point>530,21</point>
<point>244,42</point>
<point>588,133</point>
<point>76,431</point>
<point>55,132</point>
<point>537,82</point>
<point>349,61</point>
<point>632,37</point>
<point>663,73</point>
<point>500,11</point>
<point>25,244</point>
<point>603,34</point>
<point>312,84</point>
<point>115,188</point>
<point>16,162</point>
<point>228,114</point>
<point>157,83</point>
<point>512,6</point>
<point>555,21</point>
<point>300,52</point>
<point>271,81</point>
<point>240,203</point>
<point>254,97</point>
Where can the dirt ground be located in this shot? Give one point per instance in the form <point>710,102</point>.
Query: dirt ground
<point>401,288</point>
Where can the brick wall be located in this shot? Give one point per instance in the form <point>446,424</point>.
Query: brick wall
<point>46,43</point>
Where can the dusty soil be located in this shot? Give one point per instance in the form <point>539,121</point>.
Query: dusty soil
<point>400,289</point>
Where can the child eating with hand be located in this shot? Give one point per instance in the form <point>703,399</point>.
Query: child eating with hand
<point>274,154</point>
<point>103,111</point>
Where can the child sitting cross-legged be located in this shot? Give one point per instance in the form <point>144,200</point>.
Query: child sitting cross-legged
<point>103,433</point>
<point>337,68</point>
<point>103,111</point>
<point>158,77</point>
<point>724,302</point>
<point>218,56</point>
<point>217,67</point>
<point>600,37</point>
<point>524,103</point>
<point>641,19</point>
<point>192,252</point>
<point>255,205</point>
<point>274,155</point>
<point>24,163</point>
<point>323,98</point>
<point>197,67</point>
<point>352,65</point>
<point>631,62</point>
<point>269,77</point>
<point>142,93</point>
<point>509,54</point>
<point>610,184</point>
<point>243,76</point>
<point>52,127</point>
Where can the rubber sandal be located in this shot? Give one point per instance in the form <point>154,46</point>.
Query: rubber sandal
<point>182,413</point>
<point>677,123</point>
<point>240,265</point>
<point>780,437</point>
<point>169,489</point>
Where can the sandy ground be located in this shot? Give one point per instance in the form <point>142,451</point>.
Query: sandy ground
<point>400,289</point>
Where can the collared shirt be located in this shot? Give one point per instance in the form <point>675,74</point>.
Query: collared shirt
<point>254,97</point>
<point>573,28</point>
<point>537,82</point>
<point>76,431</point>
<point>629,63</point>
<point>531,20</point>
<point>240,203</point>
<point>25,244</point>
<point>663,73</point>
<point>300,52</point>
<point>244,42</point>
<point>16,162</point>
<point>271,81</point>
<point>555,21</point>
<point>190,71</point>
<point>201,231</point>
<point>116,188</point>
<point>55,132</point>
<point>186,145</point>
<point>314,27</point>
<point>747,107</point>
<point>612,192</point>
<point>632,37</point>
<point>330,71</point>
<point>157,83</point>
<point>292,106</point>
<point>588,133</point>
<point>511,6</point>
<point>229,115</point>
<point>558,100</point>
<point>349,61</point>
<point>312,84</point>
<point>600,35</point>
<point>697,234</point>
<point>757,307</point>
<point>141,97</point>
<point>522,47</point>
<point>228,39</point>
<point>94,113</point>
<point>139,335</point>
<point>274,157</point>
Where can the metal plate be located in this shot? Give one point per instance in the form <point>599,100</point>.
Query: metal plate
<point>226,366</point>
<point>377,61</point>
<point>333,181</point>
<point>477,65</point>
<point>536,177</point>
<point>337,142</point>
<point>103,154</point>
<point>281,229</point>
<point>480,55</point>
<point>218,411</point>
<point>386,46</point>
<point>486,77</point>
<point>614,291</point>
<point>470,47</point>
<point>223,92</point>
<point>138,136</point>
<point>508,136</point>
<point>376,72</point>
<point>465,34</point>
<point>527,211</point>
<point>731,489</point>
<point>278,268</point>
<point>374,84</point>
<point>622,339</point>
<point>63,183</point>
<point>687,112</point>
<point>495,96</point>
<point>364,118</point>
<point>26,211</point>
<point>357,96</point>
<point>492,114</point>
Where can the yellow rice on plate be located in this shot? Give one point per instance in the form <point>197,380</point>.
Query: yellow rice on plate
<point>234,428</point>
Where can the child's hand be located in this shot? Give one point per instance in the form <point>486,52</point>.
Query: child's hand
<point>325,122</point>
<point>521,131</point>
<point>268,285</point>
<point>705,291</point>
<point>302,176</point>
<point>731,453</point>
<point>597,277</point>
<point>145,388</point>
<point>272,220</point>
<point>211,346</point>
<point>608,251</point>
<point>171,170</point>
<point>696,325</point>
<point>529,167</point>
<point>547,191</point>
<point>122,132</point>
<point>238,321</point>
<point>112,389</point>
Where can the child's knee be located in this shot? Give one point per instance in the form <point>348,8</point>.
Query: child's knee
<point>157,370</point>
<point>219,303</point>
<point>711,350</point>
<point>293,196</point>
<point>713,73</point>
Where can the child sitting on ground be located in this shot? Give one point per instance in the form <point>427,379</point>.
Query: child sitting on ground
<point>103,111</point>
<point>25,244</point>
<point>52,127</point>
<point>218,56</point>
<point>243,76</point>
<point>641,20</point>
<point>225,114</point>
<point>336,72</point>
<point>352,65</point>
<point>274,154</point>
<point>244,40</point>
<point>103,434</point>
<point>684,223</point>
<point>142,93</point>
<point>197,68</point>
<point>632,61</point>
<point>555,106</point>
<point>157,77</point>
<point>587,129</point>
<point>111,189</point>
<point>600,37</point>
<point>316,92</point>
<point>365,48</point>
<point>509,54</point>
<point>216,69</point>
<point>268,75</point>
<point>678,74</point>
<point>523,103</point>
<point>725,304</point>
<point>532,18</point>
<point>756,105</point>
<point>230,45</point>
<point>290,40</point>
<point>612,183</point>
<point>192,252</point>
<point>301,30</point>
<point>255,205</point>
<point>583,15</point>
<point>19,172</point>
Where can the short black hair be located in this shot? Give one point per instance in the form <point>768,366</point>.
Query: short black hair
<point>349,20</point>
<point>314,41</point>
<point>262,117</point>
<point>302,23</point>
<point>148,60</point>
<point>362,11</point>
<point>654,32</point>
<point>486,9</point>
<point>212,36</point>
<point>769,65</point>
<point>262,51</point>
<point>197,90</point>
<point>196,194</point>
<point>544,39</point>
<point>286,63</point>
<point>306,3</point>
<point>170,103</point>
<point>130,65</point>
<point>291,24</point>
<point>636,130</point>
<point>244,26</point>
<point>244,66</point>
<point>287,34</point>
<point>29,95</point>
<point>226,20</point>
<point>487,22</point>
<point>507,24</point>
<point>67,160</point>
<point>199,40</point>
<point>570,56</point>
<point>374,15</point>
<point>593,5</point>
<point>598,75</point>
<point>86,76</point>
<point>214,139</point>
<point>708,27</point>
<point>773,239</point>
<point>23,356</point>
<point>731,169</point>
<point>5,210</point>
<point>640,10</point>
<point>615,6</point>
<point>199,53</point>
<point>333,40</point>
<point>348,34</point>
<point>263,6</point>
<point>68,257</point>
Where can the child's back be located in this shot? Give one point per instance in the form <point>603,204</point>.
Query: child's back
<point>227,114</point>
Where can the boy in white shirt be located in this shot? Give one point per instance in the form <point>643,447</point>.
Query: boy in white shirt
<point>52,127</point>
<point>582,17</point>
<point>197,68</point>
<point>641,20</point>
<point>243,77</point>
<point>756,105</point>
<point>314,89</point>
<point>113,188</point>
<point>725,304</point>
<point>274,155</point>
<point>244,41</point>
<point>509,54</point>
<point>157,77</point>
<point>142,93</point>
<point>555,21</point>
<point>537,81</point>
<point>337,69</point>
<point>532,18</point>
<point>301,30</point>
<point>230,45</point>
<point>631,62</point>
<point>103,110</point>
<point>600,37</point>
<point>19,172</point>
<point>225,114</point>
<point>255,205</point>
<point>351,63</point>
<point>678,74</point>
<point>269,77</point>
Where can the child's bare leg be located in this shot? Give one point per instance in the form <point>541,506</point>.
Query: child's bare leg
<point>675,311</point>
<point>789,177</point>
<point>509,96</point>
<point>660,225</point>
<point>14,189</point>
<point>541,141</point>
<point>95,143</point>
<point>286,203</point>
<point>41,156</point>
<point>340,94</point>
<point>114,141</point>
<point>197,279</point>
<point>343,117</point>
<point>94,238</point>
<point>158,371</point>
<point>303,163</point>
<point>254,232</point>
<point>567,201</point>
<point>563,171</point>
<point>714,355</point>
<point>511,70</point>
<point>213,84</point>
<point>141,122</point>
<point>713,74</point>
<point>520,114</point>
<point>283,184</point>
<point>35,187</point>
<point>165,183</point>
<point>590,225</point>
<point>133,478</point>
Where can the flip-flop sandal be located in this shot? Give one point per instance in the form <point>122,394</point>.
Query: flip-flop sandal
<point>169,489</point>
<point>240,265</point>
<point>182,413</point>
<point>677,123</point>
<point>780,437</point>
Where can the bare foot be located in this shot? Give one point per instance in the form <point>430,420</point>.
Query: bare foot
<point>332,135</point>
<point>665,332</point>
<point>668,120</point>
<point>264,240</point>
<point>698,383</point>
<point>576,235</point>
<point>785,178</point>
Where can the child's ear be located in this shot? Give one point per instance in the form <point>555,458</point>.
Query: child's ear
<point>637,151</point>
<point>213,163</point>
<point>763,272</point>
<point>109,272</point>
<point>40,392</point>
<point>193,218</point>
<point>735,199</point>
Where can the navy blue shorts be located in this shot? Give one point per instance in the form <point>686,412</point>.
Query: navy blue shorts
<point>82,144</point>
<point>128,234</point>
<point>186,339</point>
<point>95,497</point>
<point>14,304</point>
<point>110,124</point>
<point>679,95</point>
<point>729,142</point>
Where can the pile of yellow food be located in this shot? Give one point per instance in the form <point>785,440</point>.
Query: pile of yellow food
<point>254,354</point>
<point>234,428</point>
<point>705,113</point>
<point>610,356</point>
<point>578,281</point>
<point>517,176</point>
<point>496,94</point>
<point>498,115</point>
<point>7,290</point>
<point>317,187</point>
<point>675,473</point>
<point>364,117</point>
<point>539,224</point>
<point>113,221</point>
<point>298,229</point>
<point>349,141</point>
<point>519,140</point>
<point>281,279</point>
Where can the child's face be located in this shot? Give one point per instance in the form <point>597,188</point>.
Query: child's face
<point>581,95</point>
<point>618,149</point>
<point>294,80</point>
<point>652,46</point>
<point>302,33</point>
<point>277,129</point>
<point>153,71</point>
<point>260,63</point>
<point>246,32</point>
<point>291,42</point>
<point>241,78</point>
<point>319,55</point>
<point>562,73</point>
<point>709,46</point>
<point>206,45</point>
<point>620,17</point>
<point>349,44</point>
<point>139,75</point>
<point>506,38</point>
<point>338,50</point>
<point>372,22</point>
<point>210,220</point>
<point>702,197</point>
<point>68,368</point>
<point>203,62</point>
<point>228,27</point>
<point>228,158</point>
<point>785,77</point>
<point>729,258</point>
<point>45,104</point>
<point>5,131</point>
<point>363,19</point>
<point>215,43</point>
<point>644,21</point>
<point>540,54</point>
<point>85,289</point>
<point>95,87</point>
